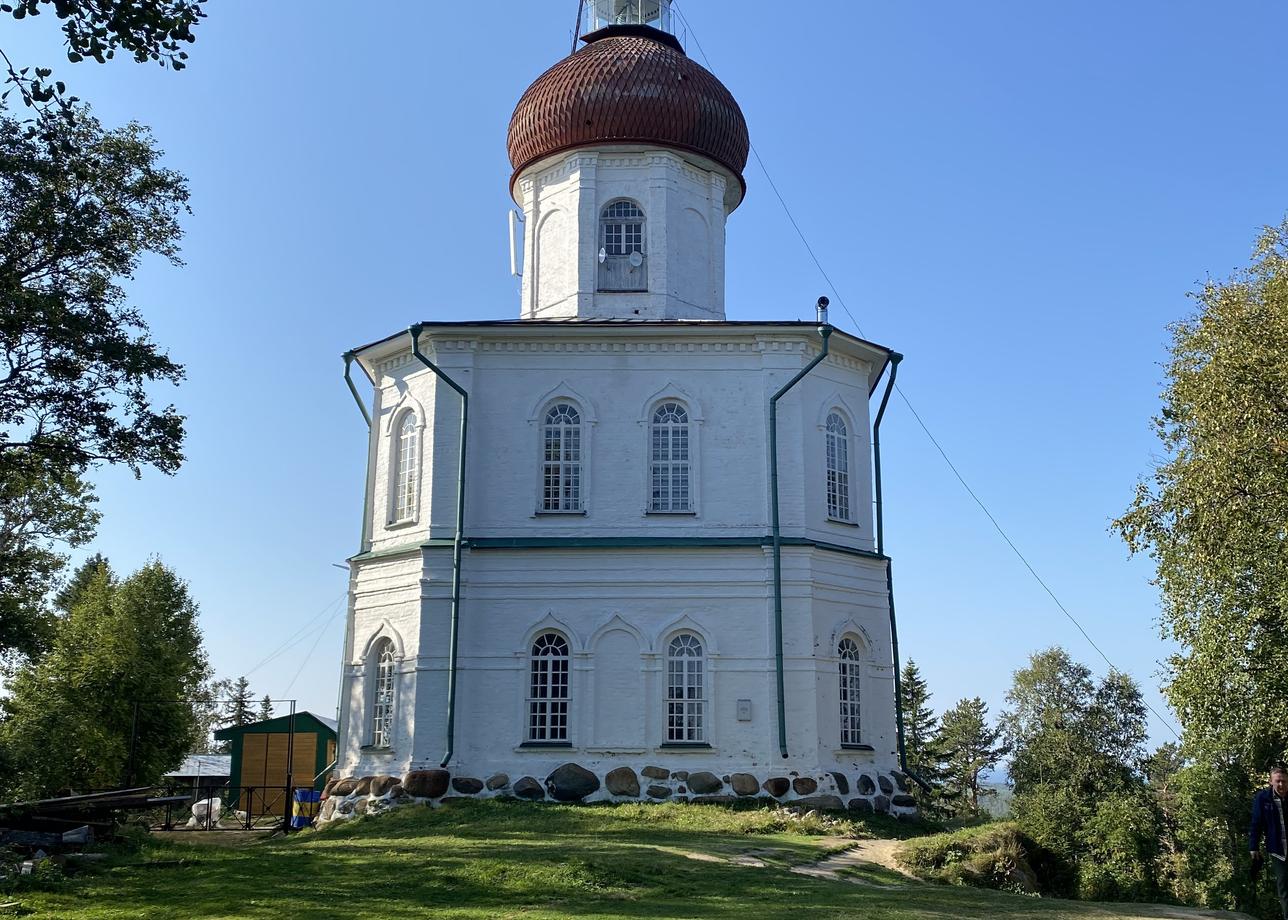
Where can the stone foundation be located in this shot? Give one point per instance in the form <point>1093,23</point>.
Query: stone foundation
<point>873,792</point>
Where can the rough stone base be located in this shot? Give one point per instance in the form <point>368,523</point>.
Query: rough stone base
<point>352,797</point>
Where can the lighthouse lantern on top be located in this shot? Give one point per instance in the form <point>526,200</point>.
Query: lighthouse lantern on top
<point>599,14</point>
<point>628,158</point>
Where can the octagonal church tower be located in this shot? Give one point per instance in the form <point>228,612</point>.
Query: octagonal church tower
<point>621,547</point>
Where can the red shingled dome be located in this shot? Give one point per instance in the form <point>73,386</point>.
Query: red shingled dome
<point>628,85</point>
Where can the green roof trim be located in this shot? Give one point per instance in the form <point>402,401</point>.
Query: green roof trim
<point>305,722</point>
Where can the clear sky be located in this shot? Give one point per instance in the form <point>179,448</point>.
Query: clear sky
<point>1016,195</point>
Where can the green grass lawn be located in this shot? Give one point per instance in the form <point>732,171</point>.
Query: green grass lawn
<point>492,860</point>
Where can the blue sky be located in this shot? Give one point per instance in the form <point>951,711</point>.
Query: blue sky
<point>1016,195</point>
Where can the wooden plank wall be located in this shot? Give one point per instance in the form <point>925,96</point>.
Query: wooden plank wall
<point>264,765</point>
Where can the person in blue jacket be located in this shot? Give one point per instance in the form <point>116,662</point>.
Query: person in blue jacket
<point>1268,807</point>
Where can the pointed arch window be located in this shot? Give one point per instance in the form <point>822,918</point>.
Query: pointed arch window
<point>561,459</point>
<point>848,663</point>
<point>548,688</point>
<point>685,690</point>
<point>382,696</point>
<point>671,488</point>
<point>622,265</point>
<point>838,468</point>
<point>406,468</point>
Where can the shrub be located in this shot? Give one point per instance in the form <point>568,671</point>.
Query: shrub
<point>994,856</point>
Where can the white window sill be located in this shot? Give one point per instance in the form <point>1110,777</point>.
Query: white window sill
<point>855,750</point>
<point>538,747</point>
<point>399,525</point>
<point>685,747</point>
<point>836,520</point>
<point>690,513</point>
<point>542,512</point>
<point>377,749</point>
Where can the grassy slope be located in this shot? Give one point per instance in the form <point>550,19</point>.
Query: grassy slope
<point>501,860</point>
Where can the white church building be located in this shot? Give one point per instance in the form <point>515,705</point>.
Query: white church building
<point>621,547</point>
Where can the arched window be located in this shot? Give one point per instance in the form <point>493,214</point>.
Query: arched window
<point>406,468</point>
<point>685,696</point>
<point>847,651</point>
<point>548,689</point>
<point>669,456</point>
<point>838,468</point>
<point>621,252</point>
<point>561,459</point>
<point>382,695</point>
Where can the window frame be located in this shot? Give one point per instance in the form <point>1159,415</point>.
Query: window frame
<point>582,429</point>
<point>532,702</point>
<point>395,481</point>
<point>690,735</point>
<point>846,470</point>
<point>382,666</point>
<point>849,681</point>
<point>690,461</point>
<point>602,225</point>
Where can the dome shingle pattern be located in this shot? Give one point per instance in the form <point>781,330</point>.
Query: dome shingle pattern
<point>628,89</point>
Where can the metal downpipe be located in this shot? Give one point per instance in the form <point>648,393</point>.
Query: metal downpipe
<point>824,330</point>
<point>456,540</point>
<point>895,358</point>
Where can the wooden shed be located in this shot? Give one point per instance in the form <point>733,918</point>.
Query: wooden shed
<point>259,759</point>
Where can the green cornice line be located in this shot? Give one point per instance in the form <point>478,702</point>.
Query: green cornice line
<point>502,543</point>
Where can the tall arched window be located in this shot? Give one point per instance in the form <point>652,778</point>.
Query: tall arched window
<point>685,696</point>
<point>621,255</point>
<point>838,468</point>
<point>669,459</point>
<point>382,695</point>
<point>548,689</point>
<point>406,468</point>
<point>847,652</point>
<point>561,459</point>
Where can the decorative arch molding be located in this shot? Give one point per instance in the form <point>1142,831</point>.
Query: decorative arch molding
<point>550,623</point>
<point>836,402</point>
<point>560,393</point>
<point>384,631</point>
<point>672,391</point>
<point>686,623</point>
<point>405,402</point>
<point>849,627</point>
<point>616,623</point>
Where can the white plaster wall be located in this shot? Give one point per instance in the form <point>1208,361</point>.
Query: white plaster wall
<point>684,201</point>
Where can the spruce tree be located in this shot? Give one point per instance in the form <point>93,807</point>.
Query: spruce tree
<point>265,709</point>
<point>239,710</point>
<point>970,747</point>
<point>919,733</point>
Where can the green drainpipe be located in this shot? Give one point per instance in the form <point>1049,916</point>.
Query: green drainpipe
<point>362,407</point>
<point>895,358</point>
<point>824,330</point>
<point>456,540</point>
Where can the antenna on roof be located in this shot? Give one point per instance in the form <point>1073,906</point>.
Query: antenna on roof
<point>576,29</point>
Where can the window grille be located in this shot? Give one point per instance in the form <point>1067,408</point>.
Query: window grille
<point>382,701</point>
<point>685,701</point>
<point>621,256</point>
<point>561,463</point>
<point>669,474</point>
<point>848,653</point>
<point>838,468</point>
<point>548,689</point>
<point>406,474</point>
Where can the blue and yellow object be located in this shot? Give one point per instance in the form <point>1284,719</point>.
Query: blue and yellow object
<point>304,808</point>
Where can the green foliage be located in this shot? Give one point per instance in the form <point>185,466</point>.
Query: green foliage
<point>70,715</point>
<point>39,510</point>
<point>238,710</point>
<point>265,709</point>
<point>997,855</point>
<point>1212,517</point>
<point>1078,747</point>
<point>919,736</point>
<point>76,362</point>
<point>969,748</point>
